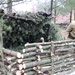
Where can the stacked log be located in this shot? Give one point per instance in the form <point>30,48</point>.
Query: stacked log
<point>61,54</point>
<point>37,59</point>
<point>10,58</point>
<point>65,56</point>
<point>41,58</point>
<point>55,56</point>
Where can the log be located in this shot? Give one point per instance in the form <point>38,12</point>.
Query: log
<point>58,58</point>
<point>63,73</point>
<point>11,65</point>
<point>12,53</point>
<point>32,58</point>
<point>63,69</point>
<point>65,65</point>
<point>35,63</point>
<point>63,61</point>
<point>64,44</point>
<point>33,48</point>
<point>35,53</point>
<point>34,44</point>
<point>18,72</point>
<point>48,43</point>
<point>29,54</point>
<point>42,69</point>
<point>37,72</point>
<point>8,58</point>
<point>65,49</point>
<point>63,41</point>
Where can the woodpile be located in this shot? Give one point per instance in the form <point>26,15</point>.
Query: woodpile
<point>46,58</point>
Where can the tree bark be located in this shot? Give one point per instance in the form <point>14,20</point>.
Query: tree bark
<point>1,45</point>
<point>9,7</point>
<point>9,52</point>
<point>71,16</point>
<point>35,63</point>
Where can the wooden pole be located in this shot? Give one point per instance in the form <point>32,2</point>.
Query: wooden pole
<point>1,45</point>
<point>52,56</point>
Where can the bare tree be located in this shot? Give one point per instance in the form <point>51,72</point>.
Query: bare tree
<point>9,6</point>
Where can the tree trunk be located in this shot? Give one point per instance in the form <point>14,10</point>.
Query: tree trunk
<point>9,7</point>
<point>55,13</point>
<point>71,16</point>
<point>74,14</point>
<point>51,8</point>
<point>1,46</point>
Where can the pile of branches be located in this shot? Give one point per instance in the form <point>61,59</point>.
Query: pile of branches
<point>30,27</point>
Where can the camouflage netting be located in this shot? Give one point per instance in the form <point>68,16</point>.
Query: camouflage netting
<point>30,27</point>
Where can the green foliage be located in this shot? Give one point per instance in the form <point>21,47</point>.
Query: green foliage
<point>61,6</point>
<point>70,4</point>
<point>65,6</point>
<point>52,33</point>
<point>17,32</point>
<point>1,22</point>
